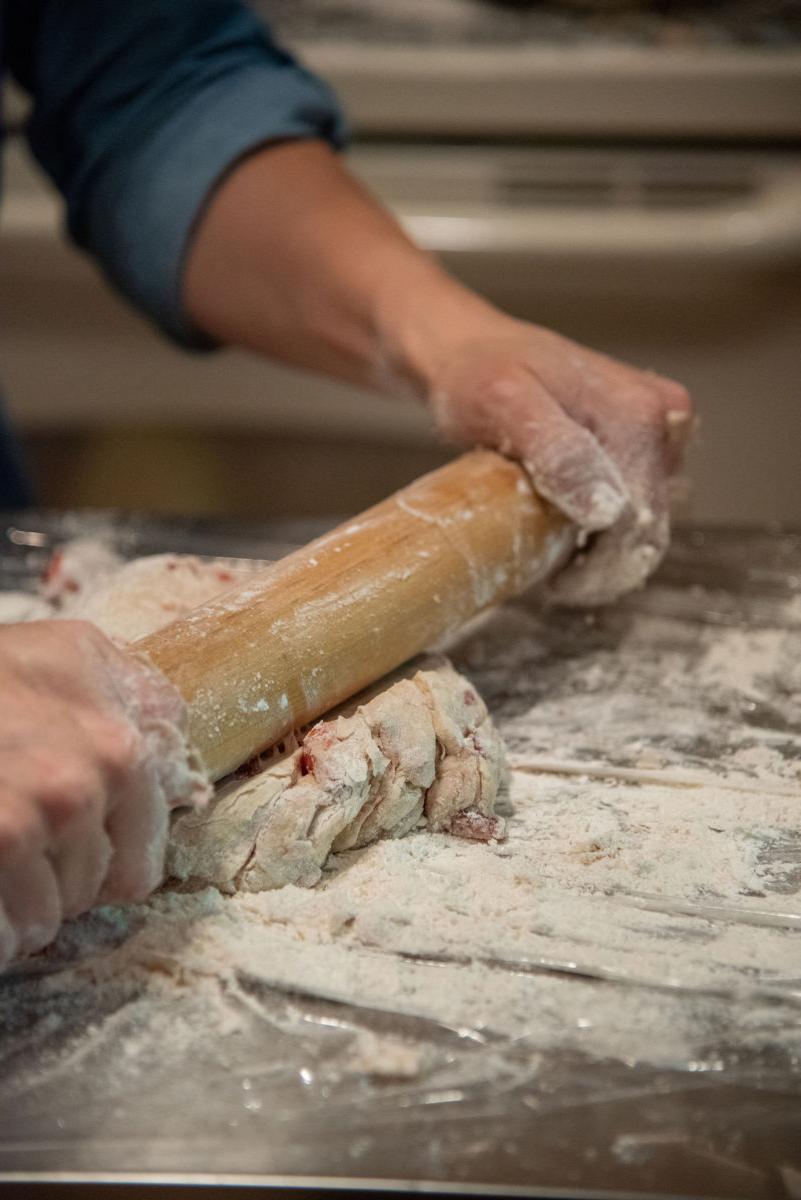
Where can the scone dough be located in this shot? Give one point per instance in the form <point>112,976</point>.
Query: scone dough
<point>421,751</point>
<point>417,750</point>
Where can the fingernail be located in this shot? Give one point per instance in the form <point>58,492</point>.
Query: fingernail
<point>606,503</point>
<point>680,426</point>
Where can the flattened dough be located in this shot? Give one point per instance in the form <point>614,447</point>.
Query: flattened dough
<point>128,600</point>
<point>418,750</point>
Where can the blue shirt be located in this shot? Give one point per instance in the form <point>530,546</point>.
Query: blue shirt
<point>140,107</point>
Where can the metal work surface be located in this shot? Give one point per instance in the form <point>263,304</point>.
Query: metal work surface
<point>636,1022</point>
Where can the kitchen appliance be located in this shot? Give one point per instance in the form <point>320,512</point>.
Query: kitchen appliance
<point>629,174</point>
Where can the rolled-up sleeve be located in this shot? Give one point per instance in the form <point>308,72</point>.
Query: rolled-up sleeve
<point>140,109</point>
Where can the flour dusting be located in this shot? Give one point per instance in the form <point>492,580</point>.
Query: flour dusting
<point>645,906</point>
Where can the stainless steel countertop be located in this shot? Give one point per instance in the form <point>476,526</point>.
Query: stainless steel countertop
<point>585,1127</point>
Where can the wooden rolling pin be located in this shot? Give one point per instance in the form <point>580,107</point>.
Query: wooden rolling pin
<point>312,630</point>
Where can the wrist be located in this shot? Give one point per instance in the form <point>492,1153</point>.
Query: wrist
<point>423,320</point>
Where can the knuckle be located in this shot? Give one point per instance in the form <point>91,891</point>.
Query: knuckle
<point>88,642</point>
<point>67,635</point>
<point>9,844</point>
<point>118,747</point>
<point>565,448</point>
<point>664,398</point>
<point>68,790</point>
<point>81,631</point>
<point>19,831</point>
<point>648,403</point>
<point>502,385</point>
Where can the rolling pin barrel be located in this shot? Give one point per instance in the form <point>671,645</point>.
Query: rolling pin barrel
<point>315,628</point>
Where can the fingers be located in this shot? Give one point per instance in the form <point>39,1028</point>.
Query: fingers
<point>158,714</point>
<point>622,557</point>
<point>137,828</point>
<point>92,756</point>
<point>599,439</point>
<point>132,831</point>
<point>568,466</point>
<point>146,768</point>
<point>29,896</point>
<point>70,783</point>
<point>81,862</point>
<point>676,417</point>
<point>53,849</point>
<point>618,561</point>
<point>506,405</point>
<point>602,463</point>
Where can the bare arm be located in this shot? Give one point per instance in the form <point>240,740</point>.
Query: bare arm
<point>293,259</point>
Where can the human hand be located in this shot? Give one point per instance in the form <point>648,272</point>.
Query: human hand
<point>599,439</point>
<point>340,289</point>
<point>92,758</point>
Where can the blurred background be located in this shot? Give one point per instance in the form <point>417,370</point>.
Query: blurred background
<point>626,173</point>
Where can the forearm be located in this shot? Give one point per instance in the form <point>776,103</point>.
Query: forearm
<point>295,260</point>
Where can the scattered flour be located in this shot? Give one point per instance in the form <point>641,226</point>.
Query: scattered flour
<point>645,907</point>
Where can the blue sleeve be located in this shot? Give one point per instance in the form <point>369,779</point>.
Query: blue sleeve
<point>140,108</point>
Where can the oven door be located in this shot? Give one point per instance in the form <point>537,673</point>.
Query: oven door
<point>687,262</point>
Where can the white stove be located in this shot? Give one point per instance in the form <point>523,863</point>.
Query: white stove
<point>628,173</point>
<point>599,69</point>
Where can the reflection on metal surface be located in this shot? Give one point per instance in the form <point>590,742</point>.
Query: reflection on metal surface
<point>181,1064</point>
